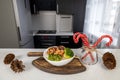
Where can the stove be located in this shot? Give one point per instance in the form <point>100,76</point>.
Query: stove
<point>46,32</point>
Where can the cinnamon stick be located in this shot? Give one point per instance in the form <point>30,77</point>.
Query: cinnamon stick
<point>32,54</point>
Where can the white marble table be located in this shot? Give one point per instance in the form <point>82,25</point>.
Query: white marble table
<point>93,72</point>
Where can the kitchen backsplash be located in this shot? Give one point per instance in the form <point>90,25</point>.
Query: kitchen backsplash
<point>49,20</point>
<point>45,20</point>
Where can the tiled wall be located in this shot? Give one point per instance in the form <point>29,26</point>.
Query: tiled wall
<point>45,20</point>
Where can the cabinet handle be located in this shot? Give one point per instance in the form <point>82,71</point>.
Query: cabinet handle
<point>64,37</point>
<point>65,17</point>
<point>47,40</point>
<point>64,42</point>
<point>47,44</point>
<point>57,8</point>
<point>19,36</point>
<point>25,3</point>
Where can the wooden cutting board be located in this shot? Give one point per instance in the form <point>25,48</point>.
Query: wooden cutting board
<point>75,66</point>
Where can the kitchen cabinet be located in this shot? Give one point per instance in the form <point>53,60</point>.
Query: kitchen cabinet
<point>65,6</point>
<point>67,41</point>
<point>76,8</point>
<point>79,15</point>
<point>44,41</point>
<point>42,5</point>
<point>46,4</point>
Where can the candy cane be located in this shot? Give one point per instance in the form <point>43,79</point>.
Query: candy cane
<point>91,56</point>
<point>84,38</point>
<point>75,37</point>
<point>100,39</point>
<point>85,41</point>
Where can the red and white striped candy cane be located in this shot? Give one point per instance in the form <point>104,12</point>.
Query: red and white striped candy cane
<point>91,56</point>
<point>84,38</point>
<point>102,37</point>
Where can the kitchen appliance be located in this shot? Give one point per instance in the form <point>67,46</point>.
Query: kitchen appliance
<point>64,23</point>
<point>23,23</point>
<point>46,32</point>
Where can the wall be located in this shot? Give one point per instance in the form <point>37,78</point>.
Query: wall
<point>45,20</point>
<point>8,29</point>
<point>117,25</point>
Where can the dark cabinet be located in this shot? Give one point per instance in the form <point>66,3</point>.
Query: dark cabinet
<point>46,4</point>
<point>67,41</point>
<point>76,8</point>
<point>44,41</point>
<point>79,15</point>
<point>47,41</point>
<point>41,5</point>
<point>65,6</point>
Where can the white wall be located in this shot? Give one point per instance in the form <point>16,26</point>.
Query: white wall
<point>45,20</point>
<point>118,27</point>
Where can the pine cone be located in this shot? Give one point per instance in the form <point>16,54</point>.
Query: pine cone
<point>109,60</point>
<point>17,66</point>
<point>9,58</point>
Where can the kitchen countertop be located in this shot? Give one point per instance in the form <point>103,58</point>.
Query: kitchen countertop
<point>93,72</point>
<point>56,34</point>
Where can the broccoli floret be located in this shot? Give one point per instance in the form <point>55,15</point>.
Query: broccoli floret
<point>68,53</point>
<point>54,57</point>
